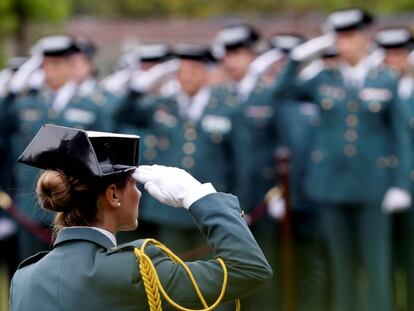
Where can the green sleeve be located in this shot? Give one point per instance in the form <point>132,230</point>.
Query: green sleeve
<point>219,218</point>
<point>288,85</point>
<point>135,109</point>
<point>400,141</point>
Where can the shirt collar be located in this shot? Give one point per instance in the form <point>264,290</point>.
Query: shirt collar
<point>355,75</point>
<point>90,234</point>
<point>192,107</point>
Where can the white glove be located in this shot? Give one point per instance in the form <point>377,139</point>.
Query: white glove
<point>19,80</point>
<point>262,62</point>
<point>396,199</point>
<point>144,81</point>
<point>312,48</point>
<point>117,81</point>
<point>171,186</point>
<point>276,208</point>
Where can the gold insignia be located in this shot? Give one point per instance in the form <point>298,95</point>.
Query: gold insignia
<point>352,120</point>
<point>351,135</point>
<point>350,150</point>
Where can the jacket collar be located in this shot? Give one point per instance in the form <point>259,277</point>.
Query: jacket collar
<point>83,234</point>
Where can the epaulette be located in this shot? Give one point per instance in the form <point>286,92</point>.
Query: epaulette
<point>125,247</point>
<point>32,259</point>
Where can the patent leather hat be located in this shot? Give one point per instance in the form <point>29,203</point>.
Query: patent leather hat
<point>349,19</point>
<point>193,51</point>
<point>82,153</point>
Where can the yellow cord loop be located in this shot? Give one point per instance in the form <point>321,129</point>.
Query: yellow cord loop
<point>153,286</point>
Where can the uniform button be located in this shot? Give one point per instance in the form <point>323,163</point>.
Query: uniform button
<point>382,162</point>
<point>327,103</point>
<point>351,135</point>
<point>216,138</point>
<point>350,150</point>
<point>268,172</point>
<point>392,161</point>
<point>412,175</point>
<point>190,134</point>
<point>163,143</point>
<point>316,156</point>
<point>189,125</point>
<point>189,148</point>
<point>187,162</point>
<point>374,107</point>
<point>351,120</point>
<point>353,106</point>
<point>150,141</point>
<point>150,154</point>
<point>231,101</point>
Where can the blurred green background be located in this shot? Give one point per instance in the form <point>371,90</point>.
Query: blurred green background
<point>113,22</point>
<point>23,21</point>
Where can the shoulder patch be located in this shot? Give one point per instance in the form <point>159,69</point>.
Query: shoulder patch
<point>125,247</point>
<point>32,259</point>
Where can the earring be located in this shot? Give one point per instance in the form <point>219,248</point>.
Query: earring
<point>118,204</point>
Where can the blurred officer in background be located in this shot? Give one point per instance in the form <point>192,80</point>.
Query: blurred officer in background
<point>84,74</point>
<point>397,43</point>
<point>196,129</point>
<point>147,56</point>
<point>239,46</point>
<point>243,64</point>
<point>295,120</point>
<point>55,102</point>
<point>359,160</point>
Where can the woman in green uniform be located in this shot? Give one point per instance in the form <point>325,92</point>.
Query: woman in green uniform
<point>90,181</point>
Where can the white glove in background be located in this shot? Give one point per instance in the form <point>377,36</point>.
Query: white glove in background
<point>19,80</point>
<point>396,199</point>
<point>171,186</point>
<point>144,81</point>
<point>276,208</point>
<point>262,62</point>
<point>312,48</point>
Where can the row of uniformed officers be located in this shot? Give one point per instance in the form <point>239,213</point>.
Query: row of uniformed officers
<point>340,105</point>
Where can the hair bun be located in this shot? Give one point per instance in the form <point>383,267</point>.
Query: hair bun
<point>54,191</point>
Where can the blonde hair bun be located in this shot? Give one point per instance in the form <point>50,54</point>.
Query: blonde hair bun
<point>54,191</point>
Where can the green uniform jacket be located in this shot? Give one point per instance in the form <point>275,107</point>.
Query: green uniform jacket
<point>27,114</point>
<point>259,116</point>
<point>361,144</point>
<point>409,117</point>
<point>295,128</point>
<point>213,149</point>
<point>85,272</point>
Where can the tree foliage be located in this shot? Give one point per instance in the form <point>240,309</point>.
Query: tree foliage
<point>208,8</point>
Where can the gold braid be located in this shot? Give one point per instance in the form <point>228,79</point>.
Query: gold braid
<point>153,286</point>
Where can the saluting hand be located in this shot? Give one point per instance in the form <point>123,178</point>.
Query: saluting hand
<point>171,185</point>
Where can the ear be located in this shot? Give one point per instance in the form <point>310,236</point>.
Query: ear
<point>112,195</point>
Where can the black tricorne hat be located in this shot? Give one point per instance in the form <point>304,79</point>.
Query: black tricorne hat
<point>236,36</point>
<point>349,19</point>
<point>57,46</point>
<point>193,51</point>
<point>153,52</point>
<point>82,153</point>
<point>85,46</point>
<point>397,37</point>
<point>286,41</point>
